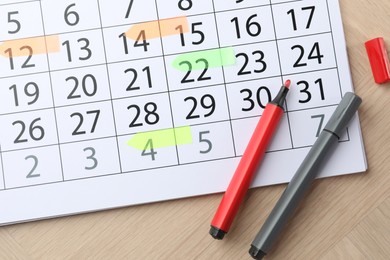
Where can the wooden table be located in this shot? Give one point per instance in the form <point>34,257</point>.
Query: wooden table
<point>343,218</point>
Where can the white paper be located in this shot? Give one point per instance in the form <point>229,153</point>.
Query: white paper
<point>67,115</point>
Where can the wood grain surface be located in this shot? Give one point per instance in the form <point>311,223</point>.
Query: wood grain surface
<point>344,217</point>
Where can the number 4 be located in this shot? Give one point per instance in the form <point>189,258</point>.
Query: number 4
<point>149,150</point>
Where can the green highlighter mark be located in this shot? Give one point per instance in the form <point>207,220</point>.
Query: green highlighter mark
<point>201,60</point>
<point>162,138</point>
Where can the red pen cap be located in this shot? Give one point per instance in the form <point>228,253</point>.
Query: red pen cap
<point>379,60</point>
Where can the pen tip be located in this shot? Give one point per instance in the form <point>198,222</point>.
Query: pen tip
<point>256,253</point>
<point>217,233</point>
<point>287,84</point>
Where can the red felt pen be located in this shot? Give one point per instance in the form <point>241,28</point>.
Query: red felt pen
<point>248,165</point>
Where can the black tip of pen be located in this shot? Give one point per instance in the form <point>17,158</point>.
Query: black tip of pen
<point>256,253</point>
<point>217,233</point>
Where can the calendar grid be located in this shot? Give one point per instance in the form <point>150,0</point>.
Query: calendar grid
<point>228,82</point>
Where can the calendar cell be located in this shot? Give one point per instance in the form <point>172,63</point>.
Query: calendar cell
<point>184,76</point>
<point>209,142</point>
<point>301,18</point>
<point>201,34</point>
<point>25,93</point>
<point>135,78</point>
<point>315,52</point>
<point>20,21</point>
<point>32,167</point>
<point>247,26</point>
<point>127,12</point>
<point>70,15</point>
<point>142,114</point>
<point>28,129</point>
<point>249,98</point>
<point>224,5</point>
<point>176,8</point>
<point>199,106</point>
<point>21,58</point>
<point>79,86</point>
<point>314,121</point>
<point>254,61</point>
<point>77,50</point>
<point>135,159</point>
<point>243,130</point>
<point>85,122</point>
<point>90,159</point>
<point>139,43</point>
<point>320,87</point>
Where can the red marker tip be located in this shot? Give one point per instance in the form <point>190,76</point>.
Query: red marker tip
<point>287,84</point>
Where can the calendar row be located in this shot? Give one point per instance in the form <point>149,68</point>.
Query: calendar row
<point>94,158</point>
<point>247,20</point>
<point>139,83</point>
<point>199,67</point>
<point>67,126</point>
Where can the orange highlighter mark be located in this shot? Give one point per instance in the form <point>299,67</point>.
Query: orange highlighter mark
<point>30,46</point>
<point>151,30</point>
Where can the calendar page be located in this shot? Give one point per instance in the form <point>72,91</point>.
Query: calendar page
<point>106,104</point>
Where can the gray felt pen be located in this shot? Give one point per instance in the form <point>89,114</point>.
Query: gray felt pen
<point>304,176</point>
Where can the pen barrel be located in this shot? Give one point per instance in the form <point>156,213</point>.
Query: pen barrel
<point>305,174</point>
<point>294,193</point>
<point>247,167</point>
